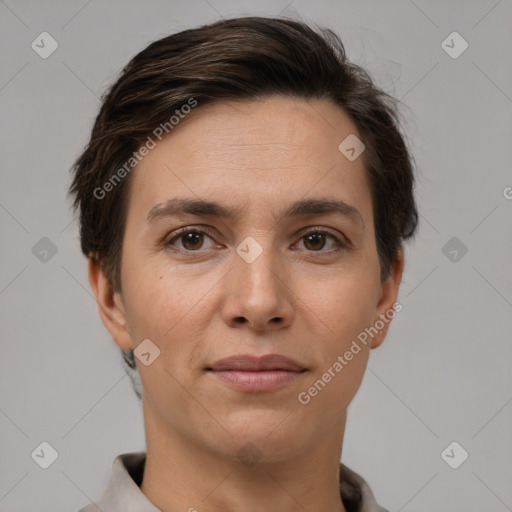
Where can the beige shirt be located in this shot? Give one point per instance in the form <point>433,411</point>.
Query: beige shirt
<point>123,494</point>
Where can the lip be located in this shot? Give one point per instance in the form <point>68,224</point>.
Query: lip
<point>251,373</point>
<point>249,363</point>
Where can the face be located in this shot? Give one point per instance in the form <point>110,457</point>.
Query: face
<point>284,263</point>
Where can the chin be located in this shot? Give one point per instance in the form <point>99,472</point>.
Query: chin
<point>273,433</point>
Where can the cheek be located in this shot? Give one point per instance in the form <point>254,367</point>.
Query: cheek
<point>344,303</point>
<point>167,304</point>
<point>329,392</point>
<point>346,308</point>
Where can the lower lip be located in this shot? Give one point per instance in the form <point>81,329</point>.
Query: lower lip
<point>257,381</point>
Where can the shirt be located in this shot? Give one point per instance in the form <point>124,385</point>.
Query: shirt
<point>123,489</point>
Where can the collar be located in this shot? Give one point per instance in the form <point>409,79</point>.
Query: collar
<point>123,491</point>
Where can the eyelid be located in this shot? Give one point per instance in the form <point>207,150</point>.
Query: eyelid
<point>325,230</point>
<point>178,232</point>
<point>341,240</point>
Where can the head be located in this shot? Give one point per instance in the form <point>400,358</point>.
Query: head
<point>235,131</point>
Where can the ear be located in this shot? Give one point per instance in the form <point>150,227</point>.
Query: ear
<point>388,297</point>
<point>110,305</point>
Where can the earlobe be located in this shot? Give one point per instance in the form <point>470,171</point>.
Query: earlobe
<point>110,305</point>
<point>388,298</point>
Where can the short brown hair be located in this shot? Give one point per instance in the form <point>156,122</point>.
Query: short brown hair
<point>243,59</point>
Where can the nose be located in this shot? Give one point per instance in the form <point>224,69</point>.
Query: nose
<point>256,295</point>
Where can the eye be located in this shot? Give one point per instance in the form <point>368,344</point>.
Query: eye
<point>316,240</point>
<point>191,239</point>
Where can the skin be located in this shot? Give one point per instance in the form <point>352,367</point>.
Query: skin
<point>209,303</point>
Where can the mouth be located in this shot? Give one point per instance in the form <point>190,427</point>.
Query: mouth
<point>251,373</point>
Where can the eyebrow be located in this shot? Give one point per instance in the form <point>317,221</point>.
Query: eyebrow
<point>303,207</point>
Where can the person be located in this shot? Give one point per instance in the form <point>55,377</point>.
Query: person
<point>244,199</point>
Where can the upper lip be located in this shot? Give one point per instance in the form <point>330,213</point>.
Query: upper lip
<point>251,363</point>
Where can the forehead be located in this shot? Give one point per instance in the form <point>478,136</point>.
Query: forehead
<point>263,151</point>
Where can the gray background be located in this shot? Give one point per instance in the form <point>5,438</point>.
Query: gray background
<point>444,372</point>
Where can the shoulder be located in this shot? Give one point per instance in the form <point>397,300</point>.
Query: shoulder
<point>122,491</point>
<point>356,493</point>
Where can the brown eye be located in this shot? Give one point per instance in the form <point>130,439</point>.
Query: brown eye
<point>192,240</point>
<point>189,240</point>
<point>314,241</point>
<point>322,242</point>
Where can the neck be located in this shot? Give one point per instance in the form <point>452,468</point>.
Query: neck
<point>183,474</point>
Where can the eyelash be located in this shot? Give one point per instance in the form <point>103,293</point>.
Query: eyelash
<point>340,244</point>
